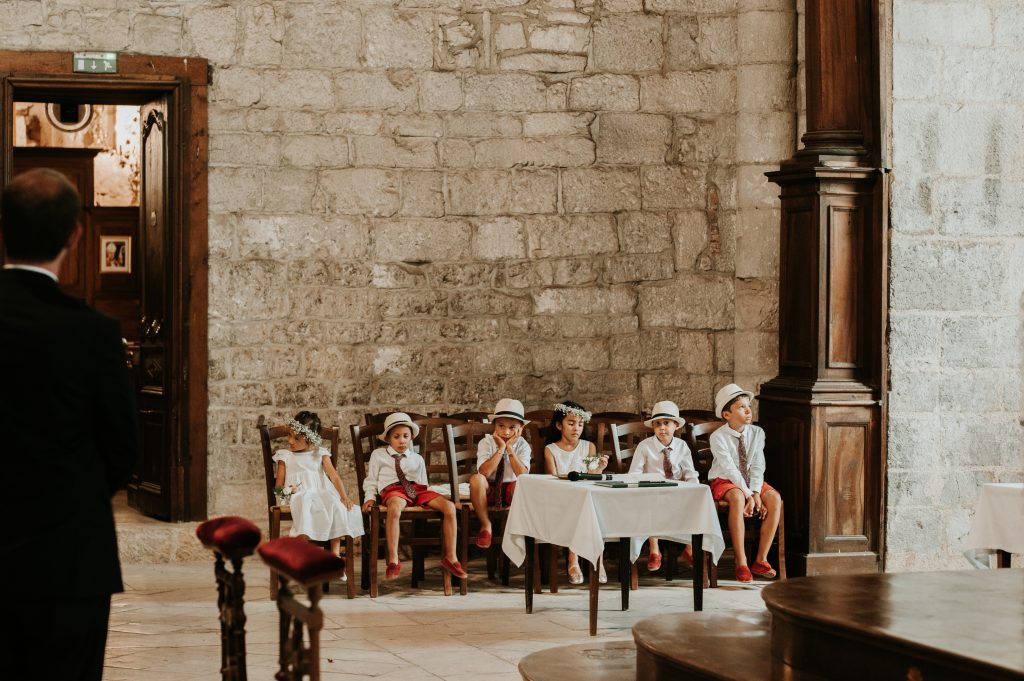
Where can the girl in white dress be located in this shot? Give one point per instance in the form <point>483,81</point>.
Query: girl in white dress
<point>566,452</point>
<point>321,510</point>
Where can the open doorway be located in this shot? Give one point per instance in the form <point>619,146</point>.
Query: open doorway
<point>135,146</point>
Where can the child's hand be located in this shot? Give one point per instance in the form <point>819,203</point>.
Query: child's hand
<point>748,507</point>
<point>759,508</point>
<point>501,443</point>
<point>347,503</point>
<point>602,462</point>
<point>370,503</point>
<point>509,442</point>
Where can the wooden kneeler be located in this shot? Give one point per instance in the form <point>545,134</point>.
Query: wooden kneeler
<point>232,538</point>
<point>293,559</point>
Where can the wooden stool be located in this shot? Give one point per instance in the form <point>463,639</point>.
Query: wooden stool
<point>233,538</point>
<point>296,560</point>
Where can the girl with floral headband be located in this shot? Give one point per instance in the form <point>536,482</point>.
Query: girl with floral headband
<point>565,452</point>
<point>321,510</point>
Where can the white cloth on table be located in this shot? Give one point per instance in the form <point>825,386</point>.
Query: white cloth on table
<point>316,507</point>
<point>582,515</point>
<point>566,462</point>
<point>487,447</point>
<point>648,457</point>
<point>998,521</point>
<point>726,452</point>
<point>381,470</point>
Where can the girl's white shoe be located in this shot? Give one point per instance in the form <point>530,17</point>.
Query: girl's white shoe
<point>602,577</point>
<point>575,574</point>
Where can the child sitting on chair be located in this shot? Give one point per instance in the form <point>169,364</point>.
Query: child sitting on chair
<point>399,475</point>
<point>737,475</point>
<point>321,510</point>
<point>500,458</point>
<point>665,454</point>
<point>565,452</point>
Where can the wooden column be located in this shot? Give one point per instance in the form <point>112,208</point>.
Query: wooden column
<point>824,413</point>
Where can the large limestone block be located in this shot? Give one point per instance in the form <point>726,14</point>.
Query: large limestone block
<point>639,267</point>
<point>583,354</point>
<point>700,92</point>
<point>505,92</point>
<point>213,32</point>
<point>633,138</point>
<point>946,275</point>
<point>319,36</point>
<point>672,187</point>
<point>302,236</point>
<point>440,91</point>
<point>703,301</point>
<point>554,236</point>
<point>766,36</point>
<point>315,151</point>
<point>158,34</point>
<point>644,232</point>
<point>486,192</point>
<point>399,39</point>
<point>262,33</point>
<point>297,89</point>
<point>960,23</point>
<point>359,191</point>
<point>395,152</point>
<point>534,191</point>
<point>422,193</point>
<point>549,151</point>
<point>499,239</point>
<point>609,300</point>
<point>628,43</point>
<point>600,190</point>
<point>422,240</point>
<point>235,189</point>
<point>288,190</point>
<point>395,90</point>
<point>767,87</point>
<point>245,149</point>
<point>604,92</point>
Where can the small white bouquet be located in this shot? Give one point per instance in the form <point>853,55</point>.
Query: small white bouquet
<point>592,462</point>
<point>284,494</point>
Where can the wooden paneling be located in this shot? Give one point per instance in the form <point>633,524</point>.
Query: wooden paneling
<point>844,284</point>
<point>798,282</point>
<point>845,449</point>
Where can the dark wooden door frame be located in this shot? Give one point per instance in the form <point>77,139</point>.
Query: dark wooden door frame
<point>38,76</point>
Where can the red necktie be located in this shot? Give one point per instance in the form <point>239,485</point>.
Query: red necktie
<point>410,491</point>
<point>499,477</point>
<point>743,459</point>
<point>666,463</point>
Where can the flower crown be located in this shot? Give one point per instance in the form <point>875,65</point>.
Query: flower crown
<point>306,432</point>
<point>565,409</point>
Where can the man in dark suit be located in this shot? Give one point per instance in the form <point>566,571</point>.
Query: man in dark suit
<point>69,433</point>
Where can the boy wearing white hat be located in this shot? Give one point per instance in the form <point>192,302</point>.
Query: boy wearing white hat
<point>737,475</point>
<point>665,454</point>
<point>399,475</point>
<point>500,458</point>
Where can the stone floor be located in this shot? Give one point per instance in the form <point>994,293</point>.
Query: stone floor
<point>165,625</point>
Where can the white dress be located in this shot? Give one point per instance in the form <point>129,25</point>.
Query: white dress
<point>317,511</point>
<point>570,461</point>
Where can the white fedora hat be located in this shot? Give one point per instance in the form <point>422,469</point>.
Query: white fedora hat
<point>508,409</point>
<point>399,418</point>
<point>727,394</point>
<point>665,409</point>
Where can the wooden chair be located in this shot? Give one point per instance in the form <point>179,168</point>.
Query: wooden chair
<point>695,416</point>
<point>698,439</point>
<point>478,416</point>
<point>293,561</point>
<point>601,424</point>
<point>381,416</point>
<point>534,434</point>
<point>461,442</point>
<point>426,534</point>
<point>268,435</point>
<point>430,443</point>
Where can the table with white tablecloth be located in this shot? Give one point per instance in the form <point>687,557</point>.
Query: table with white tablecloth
<point>998,522</point>
<point>582,515</point>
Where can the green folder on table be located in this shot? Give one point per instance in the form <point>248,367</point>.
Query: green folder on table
<point>616,484</point>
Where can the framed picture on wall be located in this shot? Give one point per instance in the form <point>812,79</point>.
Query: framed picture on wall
<point>115,255</point>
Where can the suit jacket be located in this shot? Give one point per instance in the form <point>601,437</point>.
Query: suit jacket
<point>69,434</point>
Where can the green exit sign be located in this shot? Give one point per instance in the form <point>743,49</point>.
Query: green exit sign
<point>95,62</point>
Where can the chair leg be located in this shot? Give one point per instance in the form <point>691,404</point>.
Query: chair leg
<point>670,560</point>
<point>553,569</point>
<point>464,551</point>
<point>374,549</point>
<point>537,570</point>
<point>447,581</point>
<point>275,532</point>
<point>492,563</point>
<point>634,577</point>
<point>350,567</point>
<point>781,536</point>
<point>712,574</point>
<point>364,555</point>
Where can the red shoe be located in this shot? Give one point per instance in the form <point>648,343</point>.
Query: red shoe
<point>763,569</point>
<point>483,539</point>
<point>454,567</point>
<point>686,557</point>
<point>743,574</point>
<point>394,569</point>
<point>653,562</point>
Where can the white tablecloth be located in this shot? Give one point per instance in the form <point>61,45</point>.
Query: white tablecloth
<point>998,521</point>
<point>582,515</point>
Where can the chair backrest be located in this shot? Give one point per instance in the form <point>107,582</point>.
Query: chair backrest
<point>534,434</point>
<point>697,439</point>
<point>698,415</point>
<point>270,434</point>
<point>431,446</point>
<point>478,416</point>
<point>461,443</point>
<point>600,427</point>
<point>625,437</point>
<point>364,441</point>
<point>381,416</point>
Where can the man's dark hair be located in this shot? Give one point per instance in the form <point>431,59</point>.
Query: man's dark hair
<point>39,211</point>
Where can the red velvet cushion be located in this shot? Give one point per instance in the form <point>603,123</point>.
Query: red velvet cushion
<point>230,534</point>
<point>301,561</point>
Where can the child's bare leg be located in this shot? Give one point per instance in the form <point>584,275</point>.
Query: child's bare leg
<point>736,504</point>
<point>773,502</point>
<point>573,561</point>
<point>449,526</point>
<point>336,546</point>
<point>395,507</point>
<point>652,545</point>
<point>478,495</point>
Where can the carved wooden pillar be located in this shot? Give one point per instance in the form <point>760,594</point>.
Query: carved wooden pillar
<point>823,413</point>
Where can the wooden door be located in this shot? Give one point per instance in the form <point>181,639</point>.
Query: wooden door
<point>150,489</point>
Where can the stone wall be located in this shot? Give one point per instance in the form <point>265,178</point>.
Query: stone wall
<point>957,284</point>
<point>430,204</point>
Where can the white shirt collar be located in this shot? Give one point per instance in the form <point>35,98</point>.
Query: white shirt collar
<point>33,268</point>
<point>735,433</point>
<point>392,453</point>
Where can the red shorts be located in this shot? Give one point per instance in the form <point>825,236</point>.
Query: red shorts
<point>719,486</point>
<point>507,490</point>
<point>423,495</point>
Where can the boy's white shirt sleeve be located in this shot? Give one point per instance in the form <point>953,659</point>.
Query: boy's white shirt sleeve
<point>636,465</point>
<point>524,454</point>
<point>485,449</point>
<point>757,463</point>
<point>419,476</point>
<point>370,488</point>
<point>722,446</point>
<point>687,471</point>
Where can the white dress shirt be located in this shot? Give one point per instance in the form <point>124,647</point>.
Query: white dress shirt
<point>33,268</point>
<point>726,463</point>
<point>648,457</point>
<point>488,447</point>
<point>381,471</point>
